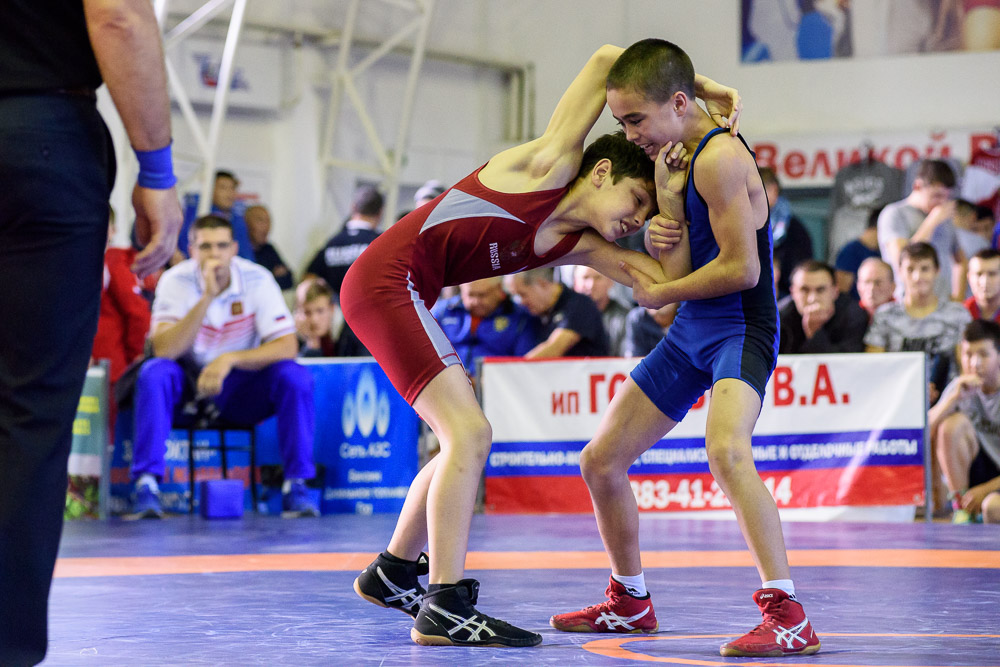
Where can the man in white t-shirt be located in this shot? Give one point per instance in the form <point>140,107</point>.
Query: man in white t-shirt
<point>965,425</point>
<point>221,331</point>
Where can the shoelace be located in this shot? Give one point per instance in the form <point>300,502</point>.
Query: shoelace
<point>613,599</point>
<point>770,610</point>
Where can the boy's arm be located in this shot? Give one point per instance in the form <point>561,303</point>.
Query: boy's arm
<point>593,251</point>
<point>722,174</point>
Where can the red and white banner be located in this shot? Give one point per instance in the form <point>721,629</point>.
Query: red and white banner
<point>834,430</point>
<point>813,160</point>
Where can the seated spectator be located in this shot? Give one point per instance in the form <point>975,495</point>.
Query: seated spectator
<point>875,285</point>
<point>818,319</point>
<point>258,220</point>
<point>571,324</point>
<point>482,321</point>
<point>645,328</point>
<point>221,332</point>
<point>124,316</point>
<point>224,205</point>
<point>331,263</point>
<point>792,243</point>
<point>973,234</point>
<point>984,281</point>
<point>965,427</point>
<point>925,216</point>
<point>428,192</point>
<point>591,282</point>
<point>922,321</point>
<point>315,314</point>
<point>851,256</point>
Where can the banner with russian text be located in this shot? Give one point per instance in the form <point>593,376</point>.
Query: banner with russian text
<point>834,430</point>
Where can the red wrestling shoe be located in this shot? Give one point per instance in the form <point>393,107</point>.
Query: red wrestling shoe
<point>621,613</point>
<point>785,629</point>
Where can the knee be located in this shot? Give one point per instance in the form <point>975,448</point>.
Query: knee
<point>291,376</point>
<point>727,459</point>
<point>991,508</point>
<point>596,464</point>
<point>157,372</point>
<point>470,439</point>
<point>952,428</point>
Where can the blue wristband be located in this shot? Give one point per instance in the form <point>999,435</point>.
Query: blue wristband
<point>156,169</point>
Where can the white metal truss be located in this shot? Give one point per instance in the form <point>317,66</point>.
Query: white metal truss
<point>388,161</point>
<point>207,145</point>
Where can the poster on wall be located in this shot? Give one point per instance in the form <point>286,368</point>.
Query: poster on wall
<point>791,30</point>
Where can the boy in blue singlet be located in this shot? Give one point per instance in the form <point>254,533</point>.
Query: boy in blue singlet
<point>725,336</point>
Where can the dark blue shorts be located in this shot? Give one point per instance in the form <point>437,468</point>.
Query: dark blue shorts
<point>680,368</point>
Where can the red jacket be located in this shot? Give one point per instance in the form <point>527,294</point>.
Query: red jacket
<point>124,318</point>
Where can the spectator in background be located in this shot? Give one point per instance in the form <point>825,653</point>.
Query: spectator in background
<point>258,220</point>
<point>221,332</point>
<point>331,263</point>
<point>974,233</point>
<point>645,328</point>
<point>984,281</point>
<point>428,192</point>
<point>851,256</point>
<point>965,427</point>
<point>818,319</point>
<point>225,204</point>
<point>925,216</point>
<point>875,285</point>
<point>597,286</point>
<point>571,324</point>
<point>482,321</point>
<point>124,316</point>
<point>792,243</point>
<point>315,314</point>
<point>922,321</point>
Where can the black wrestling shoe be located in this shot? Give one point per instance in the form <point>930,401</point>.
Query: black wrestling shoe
<point>392,582</point>
<point>448,618</point>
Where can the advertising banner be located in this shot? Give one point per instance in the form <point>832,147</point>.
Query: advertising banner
<point>365,440</point>
<point>834,430</point>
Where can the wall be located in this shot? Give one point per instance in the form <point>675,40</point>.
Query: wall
<point>458,116</point>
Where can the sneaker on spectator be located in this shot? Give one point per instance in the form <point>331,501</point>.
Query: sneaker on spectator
<point>393,584</point>
<point>297,502</point>
<point>448,617</point>
<point>621,613</point>
<point>784,631</point>
<point>146,504</point>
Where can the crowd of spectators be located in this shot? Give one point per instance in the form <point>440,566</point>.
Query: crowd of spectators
<point>913,279</point>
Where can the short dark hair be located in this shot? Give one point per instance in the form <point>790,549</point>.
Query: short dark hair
<point>222,173</point>
<point>211,222</point>
<point>654,68</point>
<point>368,200</point>
<point>537,275</point>
<point>936,172</point>
<point>919,250</point>
<point>814,266</point>
<point>627,159</point>
<point>769,177</point>
<point>873,217</point>
<point>986,254</point>
<point>984,212</point>
<point>978,330</point>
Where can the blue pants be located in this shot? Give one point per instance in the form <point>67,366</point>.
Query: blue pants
<point>56,172</point>
<point>284,388</point>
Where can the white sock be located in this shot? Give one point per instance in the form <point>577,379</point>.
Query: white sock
<point>148,480</point>
<point>782,584</point>
<point>635,585</point>
<point>287,486</point>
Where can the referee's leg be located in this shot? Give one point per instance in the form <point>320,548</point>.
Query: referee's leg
<point>53,226</point>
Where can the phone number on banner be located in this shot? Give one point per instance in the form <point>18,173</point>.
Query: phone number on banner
<point>698,492</point>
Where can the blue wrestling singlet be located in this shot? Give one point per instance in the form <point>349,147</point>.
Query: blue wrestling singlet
<point>729,336</point>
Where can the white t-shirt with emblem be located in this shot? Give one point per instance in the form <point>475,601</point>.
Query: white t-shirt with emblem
<point>249,312</point>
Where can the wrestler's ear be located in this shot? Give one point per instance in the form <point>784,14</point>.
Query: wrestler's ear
<point>600,172</point>
<point>679,103</point>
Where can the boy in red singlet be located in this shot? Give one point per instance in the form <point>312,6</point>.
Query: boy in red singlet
<point>543,203</point>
